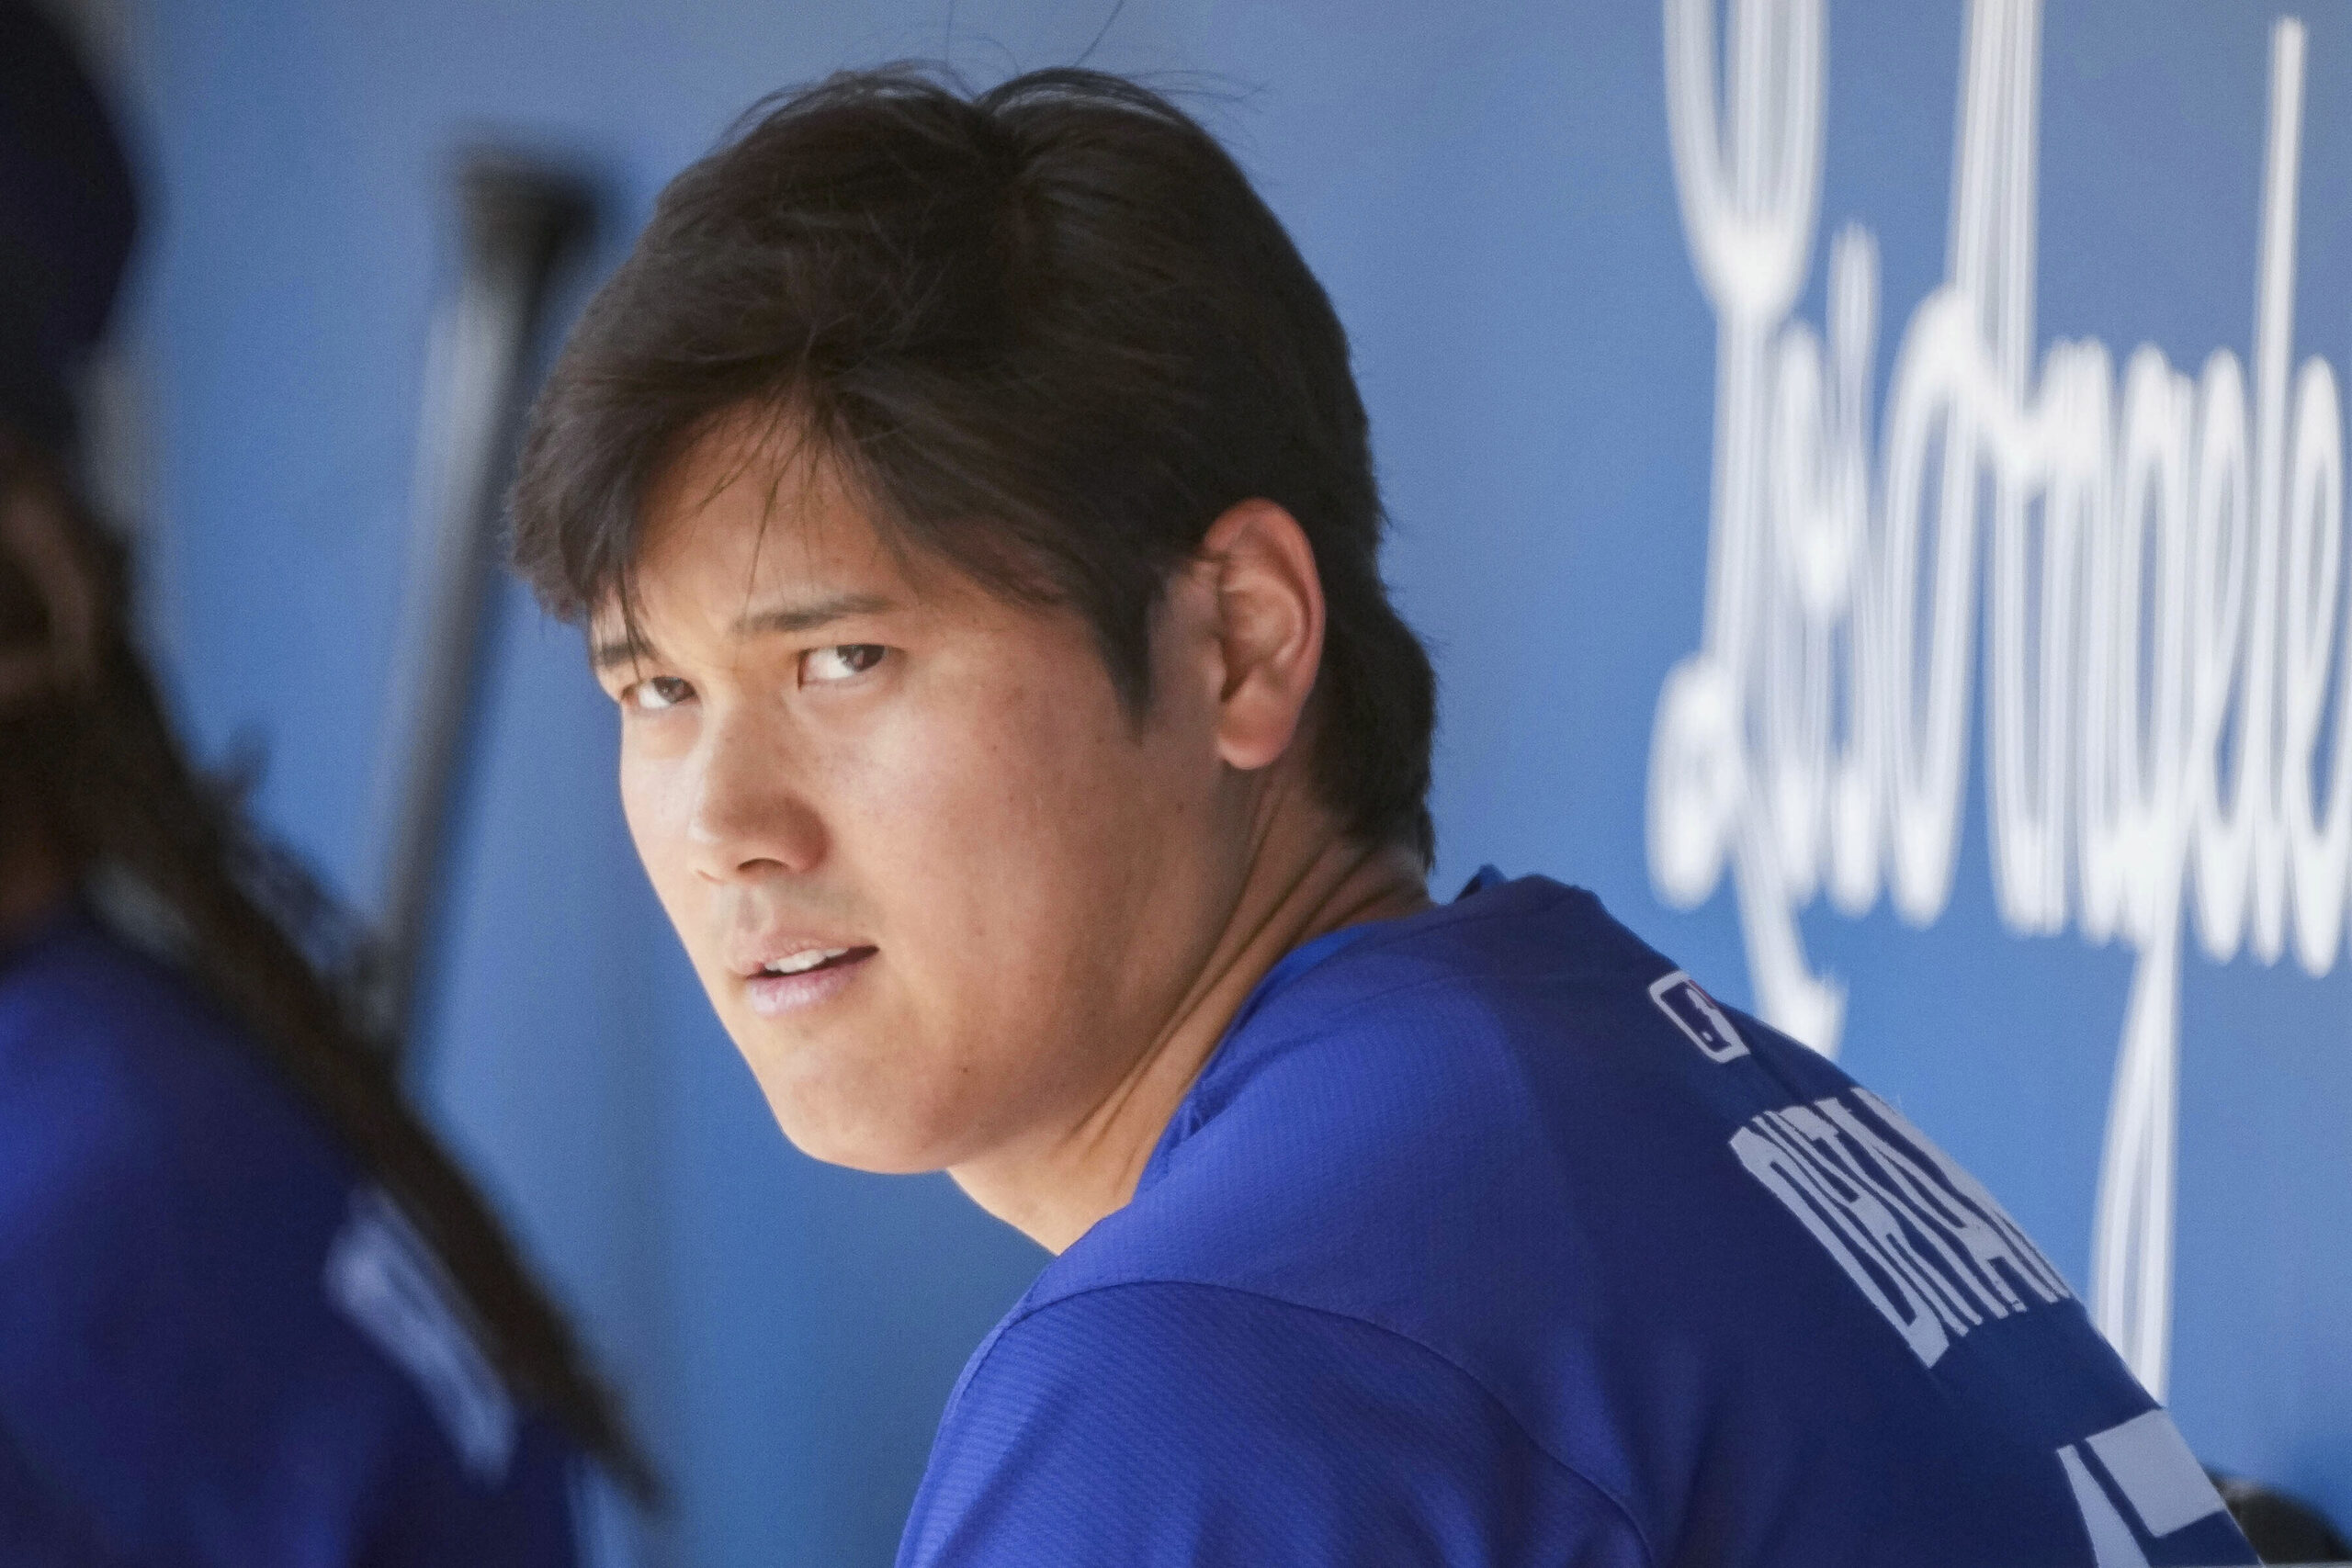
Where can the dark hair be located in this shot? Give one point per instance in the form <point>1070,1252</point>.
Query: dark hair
<point>1049,331</point>
<point>95,774</point>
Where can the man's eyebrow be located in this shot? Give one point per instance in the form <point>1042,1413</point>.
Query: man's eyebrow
<point>622,649</point>
<point>772,620</point>
<point>807,617</point>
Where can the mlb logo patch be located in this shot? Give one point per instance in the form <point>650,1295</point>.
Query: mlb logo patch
<point>1695,1014</point>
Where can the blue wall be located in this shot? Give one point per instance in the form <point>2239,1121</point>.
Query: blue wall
<point>1489,195</point>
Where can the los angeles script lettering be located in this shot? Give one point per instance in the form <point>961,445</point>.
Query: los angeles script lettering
<point>2161,567</point>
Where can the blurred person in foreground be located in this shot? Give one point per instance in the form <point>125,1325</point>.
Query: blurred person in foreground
<point>972,511</point>
<point>250,1313</point>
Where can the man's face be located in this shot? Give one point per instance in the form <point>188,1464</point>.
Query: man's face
<point>941,887</point>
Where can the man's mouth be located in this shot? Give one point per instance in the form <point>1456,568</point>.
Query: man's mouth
<point>814,958</point>
<point>804,978</point>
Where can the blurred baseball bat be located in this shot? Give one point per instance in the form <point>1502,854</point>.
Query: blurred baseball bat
<point>519,220</point>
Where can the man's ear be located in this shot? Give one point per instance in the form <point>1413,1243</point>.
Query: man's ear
<point>1269,621</point>
<point>37,549</point>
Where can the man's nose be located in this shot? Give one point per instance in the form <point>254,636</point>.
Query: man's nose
<point>752,814</point>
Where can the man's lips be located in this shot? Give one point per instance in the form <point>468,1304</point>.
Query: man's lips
<point>787,953</point>
<point>773,995</point>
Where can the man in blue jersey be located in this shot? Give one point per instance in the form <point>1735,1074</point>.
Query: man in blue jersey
<point>973,516</point>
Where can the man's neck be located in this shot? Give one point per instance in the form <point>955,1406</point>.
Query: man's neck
<point>1056,1192</point>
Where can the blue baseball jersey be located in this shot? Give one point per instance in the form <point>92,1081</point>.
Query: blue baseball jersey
<point>218,1343</point>
<point>1486,1236</point>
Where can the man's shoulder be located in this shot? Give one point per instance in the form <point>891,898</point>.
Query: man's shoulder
<point>1196,1422</point>
<point>1642,1222</point>
<point>1476,1134</point>
<point>1529,984</point>
<point>1497,1071</point>
<point>1159,1331</point>
<point>1491,942</point>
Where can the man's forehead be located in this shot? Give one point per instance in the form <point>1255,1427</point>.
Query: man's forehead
<point>755,529</point>
<point>746,513</point>
<point>754,490</point>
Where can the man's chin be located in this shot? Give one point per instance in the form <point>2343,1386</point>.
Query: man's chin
<point>857,1139</point>
<point>841,1096</point>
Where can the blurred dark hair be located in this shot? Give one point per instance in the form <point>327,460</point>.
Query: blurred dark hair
<point>68,212</point>
<point>91,769</point>
<point>2280,1526</point>
<point>1049,332</point>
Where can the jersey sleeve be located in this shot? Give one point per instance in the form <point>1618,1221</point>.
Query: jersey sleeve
<point>1173,1424</point>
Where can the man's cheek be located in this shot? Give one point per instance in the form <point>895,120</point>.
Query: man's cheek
<point>682,900</point>
<point>653,806</point>
<point>916,821</point>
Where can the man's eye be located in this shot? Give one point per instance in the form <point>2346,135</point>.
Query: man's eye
<point>839,661</point>
<point>656,694</point>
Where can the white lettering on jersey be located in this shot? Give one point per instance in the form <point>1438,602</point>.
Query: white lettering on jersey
<point>1922,1239</point>
<point>2156,1473</point>
<point>2112,1543</point>
<point>2159,1479</point>
<point>385,1278</point>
